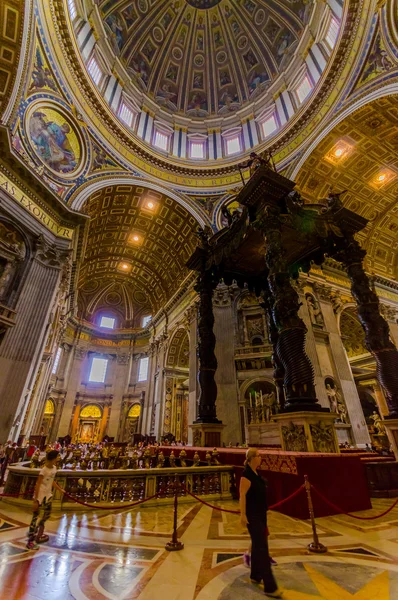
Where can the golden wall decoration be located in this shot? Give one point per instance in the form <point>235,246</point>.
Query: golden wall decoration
<point>91,410</point>
<point>134,411</point>
<point>50,408</point>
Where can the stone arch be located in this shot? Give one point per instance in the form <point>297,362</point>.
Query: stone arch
<point>388,90</point>
<point>250,382</point>
<point>84,192</point>
<point>178,352</point>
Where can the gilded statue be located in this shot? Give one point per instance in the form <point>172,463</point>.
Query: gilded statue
<point>161,459</point>
<point>147,458</point>
<point>172,460</point>
<point>215,457</point>
<point>182,457</point>
<point>208,458</point>
<point>34,463</point>
<point>196,460</point>
<point>134,459</point>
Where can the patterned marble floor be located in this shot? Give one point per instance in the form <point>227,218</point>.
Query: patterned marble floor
<point>98,556</point>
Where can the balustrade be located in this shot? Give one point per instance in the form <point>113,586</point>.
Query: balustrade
<point>109,487</point>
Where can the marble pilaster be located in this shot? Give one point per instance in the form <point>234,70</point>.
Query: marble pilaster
<point>227,396</point>
<point>193,374</point>
<point>348,387</point>
<point>311,350</point>
<point>120,383</point>
<point>23,345</point>
<point>80,362</point>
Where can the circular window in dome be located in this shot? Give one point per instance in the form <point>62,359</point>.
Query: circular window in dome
<point>203,4</point>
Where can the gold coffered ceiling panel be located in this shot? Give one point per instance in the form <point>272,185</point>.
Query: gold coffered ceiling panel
<point>11,27</point>
<point>367,168</point>
<point>138,241</point>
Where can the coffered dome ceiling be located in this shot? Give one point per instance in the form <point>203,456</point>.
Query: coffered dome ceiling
<point>137,244</point>
<point>205,57</point>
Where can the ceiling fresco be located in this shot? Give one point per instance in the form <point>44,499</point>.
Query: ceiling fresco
<point>360,155</point>
<point>138,241</point>
<point>205,57</point>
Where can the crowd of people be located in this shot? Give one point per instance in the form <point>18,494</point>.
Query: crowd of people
<point>252,493</point>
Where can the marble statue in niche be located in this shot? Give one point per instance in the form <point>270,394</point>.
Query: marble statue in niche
<point>314,310</point>
<point>377,423</point>
<point>336,401</point>
<point>12,253</point>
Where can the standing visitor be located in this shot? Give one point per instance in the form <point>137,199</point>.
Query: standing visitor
<point>42,500</point>
<point>253,515</point>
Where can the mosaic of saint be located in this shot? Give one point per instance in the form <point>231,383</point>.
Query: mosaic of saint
<point>54,140</point>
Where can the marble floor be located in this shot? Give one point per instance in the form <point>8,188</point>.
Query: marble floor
<point>117,556</point>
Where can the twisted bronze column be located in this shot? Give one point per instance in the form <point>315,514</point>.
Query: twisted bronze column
<point>298,380</point>
<point>377,334</point>
<point>279,371</point>
<point>206,346</point>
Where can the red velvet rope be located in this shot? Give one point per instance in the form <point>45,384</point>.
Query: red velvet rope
<point>123,506</point>
<point>237,512</point>
<point>341,511</point>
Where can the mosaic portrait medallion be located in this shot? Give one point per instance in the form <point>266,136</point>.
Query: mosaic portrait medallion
<point>54,138</point>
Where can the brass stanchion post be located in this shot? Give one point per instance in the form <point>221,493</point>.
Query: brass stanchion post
<point>175,544</point>
<point>315,545</point>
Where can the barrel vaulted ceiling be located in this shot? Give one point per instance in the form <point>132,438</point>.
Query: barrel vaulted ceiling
<point>137,243</point>
<point>205,57</point>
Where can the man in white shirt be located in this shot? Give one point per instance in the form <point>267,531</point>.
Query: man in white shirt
<point>42,500</point>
